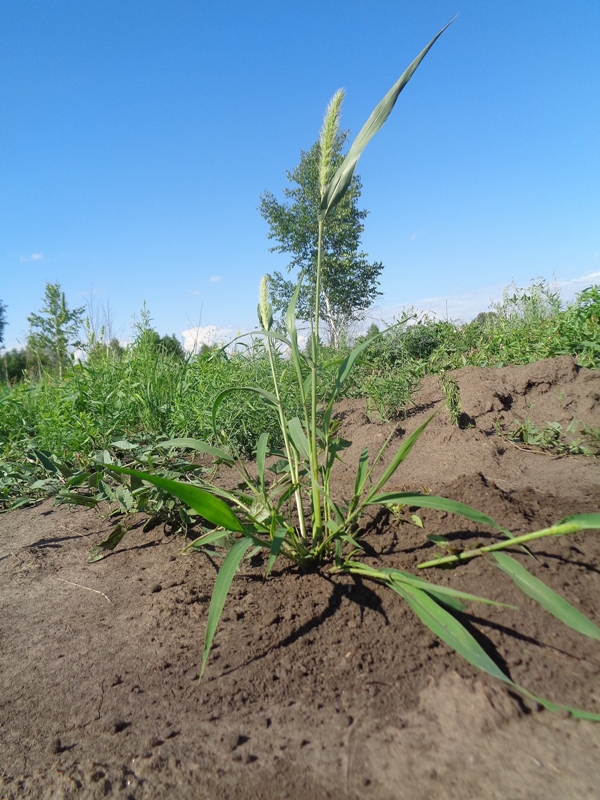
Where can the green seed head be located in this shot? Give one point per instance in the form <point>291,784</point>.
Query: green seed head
<point>329,131</point>
<point>265,312</point>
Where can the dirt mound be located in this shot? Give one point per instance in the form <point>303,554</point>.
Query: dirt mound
<point>317,686</point>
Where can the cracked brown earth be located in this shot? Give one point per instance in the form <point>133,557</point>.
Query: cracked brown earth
<point>318,687</point>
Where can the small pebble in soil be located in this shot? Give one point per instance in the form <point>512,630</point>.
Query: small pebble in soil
<point>233,739</point>
<point>117,725</point>
<point>156,588</point>
<point>55,746</point>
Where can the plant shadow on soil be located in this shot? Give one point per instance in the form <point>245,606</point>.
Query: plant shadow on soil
<point>317,686</point>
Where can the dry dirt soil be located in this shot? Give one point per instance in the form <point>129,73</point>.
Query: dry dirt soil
<point>317,687</point>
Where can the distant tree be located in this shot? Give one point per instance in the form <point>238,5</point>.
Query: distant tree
<point>2,320</point>
<point>171,345</point>
<point>349,280</point>
<point>13,365</point>
<point>53,333</point>
<point>372,330</point>
<point>116,347</point>
<point>148,340</point>
<point>485,318</point>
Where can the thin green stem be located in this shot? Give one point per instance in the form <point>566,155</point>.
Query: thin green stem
<point>314,465</point>
<point>289,451</point>
<point>556,530</point>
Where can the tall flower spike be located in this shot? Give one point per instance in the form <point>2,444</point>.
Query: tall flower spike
<point>329,131</point>
<point>265,312</point>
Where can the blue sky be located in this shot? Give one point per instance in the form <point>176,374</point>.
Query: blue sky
<point>136,138</point>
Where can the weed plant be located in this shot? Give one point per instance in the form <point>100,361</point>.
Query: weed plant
<point>143,406</point>
<point>575,439</point>
<point>289,507</point>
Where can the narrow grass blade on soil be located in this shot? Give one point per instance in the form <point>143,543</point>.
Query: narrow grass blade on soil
<point>449,629</point>
<point>566,527</point>
<point>400,456</point>
<point>547,598</point>
<point>440,504</point>
<point>276,543</point>
<point>219,595</point>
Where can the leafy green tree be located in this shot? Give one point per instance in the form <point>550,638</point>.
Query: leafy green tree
<point>148,340</point>
<point>349,281</point>
<point>53,332</point>
<point>171,345</point>
<point>13,365</point>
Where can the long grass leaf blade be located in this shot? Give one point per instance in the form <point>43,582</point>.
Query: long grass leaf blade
<point>207,538</point>
<point>261,332</point>
<point>45,461</point>
<point>200,447</point>
<point>402,577</point>
<point>276,543</point>
<point>346,366</point>
<point>361,472</point>
<point>341,180</point>
<point>217,601</point>
<point>299,437</point>
<point>402,453</point>
<point>445,592</point>
<point>261,455</point>
<point>576,713</point>
<point>306,385</point>
<point>207,505</point>
<point>585,522</point>
<point>546,597</point>
<point>290,314</point>
<point>438,503</point>
<point>450,630</point>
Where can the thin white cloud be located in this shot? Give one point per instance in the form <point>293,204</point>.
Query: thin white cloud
<point>194,338</point>
<point>215,279</point>
<point>588,279</point>
<point>31,257</point>
<point>467,305</point>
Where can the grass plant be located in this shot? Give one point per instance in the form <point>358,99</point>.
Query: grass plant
<point>289,508</point>
<point>576,439</point>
